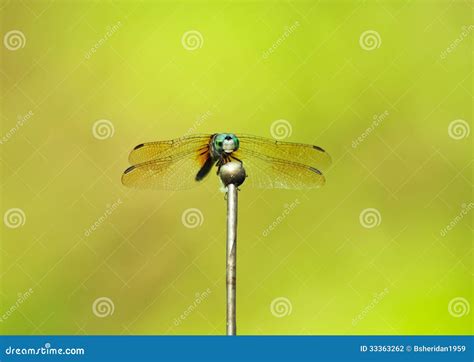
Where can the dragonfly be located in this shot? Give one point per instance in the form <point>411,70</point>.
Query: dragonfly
<point>185,162</point>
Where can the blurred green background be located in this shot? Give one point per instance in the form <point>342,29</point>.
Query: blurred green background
<point>392,106</point>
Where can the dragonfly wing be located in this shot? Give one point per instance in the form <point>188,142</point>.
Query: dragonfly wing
<point>170,173</point>
<point>310,155</point>
<point>266,172</point>
<point>156,150</point>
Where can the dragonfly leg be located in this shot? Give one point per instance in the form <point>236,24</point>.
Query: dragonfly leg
<point>235,158</point>
<point>222,161</point>
<point>219,164</point>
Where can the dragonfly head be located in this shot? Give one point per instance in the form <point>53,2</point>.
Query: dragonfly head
<point>225,143</point>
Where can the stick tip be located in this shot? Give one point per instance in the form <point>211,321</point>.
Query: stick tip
<point>232,173</point>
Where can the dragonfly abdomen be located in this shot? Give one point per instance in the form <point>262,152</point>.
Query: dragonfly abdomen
<point>205,168</point>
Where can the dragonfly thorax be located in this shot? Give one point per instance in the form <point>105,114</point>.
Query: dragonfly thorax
<point>224,143</point>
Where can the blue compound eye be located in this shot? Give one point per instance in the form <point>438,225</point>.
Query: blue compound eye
<point>219,142</point>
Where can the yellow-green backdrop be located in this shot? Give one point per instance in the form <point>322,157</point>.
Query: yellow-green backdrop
<point>385,86</point>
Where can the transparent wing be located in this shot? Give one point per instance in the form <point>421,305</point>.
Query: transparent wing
<point>172,173</point>
<point>156,150</point>
<point>266,172</point>
<point>310,155</point>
